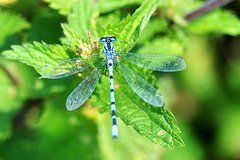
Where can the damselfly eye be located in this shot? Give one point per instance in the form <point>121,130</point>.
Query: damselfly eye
<point>103,40</point>
<point>113,39</point>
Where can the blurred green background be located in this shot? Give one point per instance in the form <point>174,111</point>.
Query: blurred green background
<point>34,123</point>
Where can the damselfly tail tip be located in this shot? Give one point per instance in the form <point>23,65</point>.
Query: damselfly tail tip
<point>114,137</point>
<point>114,131</point>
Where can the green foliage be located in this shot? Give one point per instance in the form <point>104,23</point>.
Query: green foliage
<point>104,6</point>
<point>128,32</point>
<point>46,123</point>
<point>82,18</point>
<point>154,26</point>
<point>63,6</point>
<point>129,29</point>
<point>39,31</point>
<point>13,91</point>
<point>221,21</point>
<point>168,47</point>
<point>10,23</point>
<point>8,97</point>
<point>109,5</point>
<point>56,134</point>
<point>154,123</point>
<point>229,128</point>
<point>37,54</point>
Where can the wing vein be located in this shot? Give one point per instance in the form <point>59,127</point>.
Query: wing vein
<point>144,90</point>
<point>164,63</point>
<point>84,90</point>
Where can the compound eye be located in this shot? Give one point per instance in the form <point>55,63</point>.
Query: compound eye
<point>113,39</point>
<point>103,40</point>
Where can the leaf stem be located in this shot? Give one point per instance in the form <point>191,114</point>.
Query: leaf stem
<point>206,7</point>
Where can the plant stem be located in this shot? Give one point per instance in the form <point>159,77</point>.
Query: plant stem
<point>11,77</point>
<point>206,7</point>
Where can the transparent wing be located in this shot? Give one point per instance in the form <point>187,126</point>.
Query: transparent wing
<point>145,90</point>
<point>67,67</point>
<point>164,63</point>
<point>84,90</point>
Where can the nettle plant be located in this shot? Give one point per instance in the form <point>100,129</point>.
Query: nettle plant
<point>85,27</point>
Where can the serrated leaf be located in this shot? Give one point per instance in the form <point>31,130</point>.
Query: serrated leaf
<point>72,36</point>
<point>10,23</point>
<point>222,21</point>
<point>129,29</point>
<point>154,123</point>
<point>37,54</point>
<point>82,18</point>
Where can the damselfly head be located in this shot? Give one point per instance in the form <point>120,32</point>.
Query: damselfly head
<point>108,39</point>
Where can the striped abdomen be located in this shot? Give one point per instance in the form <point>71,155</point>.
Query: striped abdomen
<point>112,99</point>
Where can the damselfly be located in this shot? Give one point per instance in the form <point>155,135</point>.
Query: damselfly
<point>83,91</point>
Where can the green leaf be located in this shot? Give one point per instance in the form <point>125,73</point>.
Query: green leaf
<point>110,18</point>
<point>10,23</point>
<point>193,150</point>
<point>72,36</point>
<point>129,145</point>
<point>222,21</point>
<point>64,6</point>
<point>37,54</point>
<point>110,5</point>
<point>82,18</point>
<point>129,29</point>
<point>154,123</point>
<point>82,27</point>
